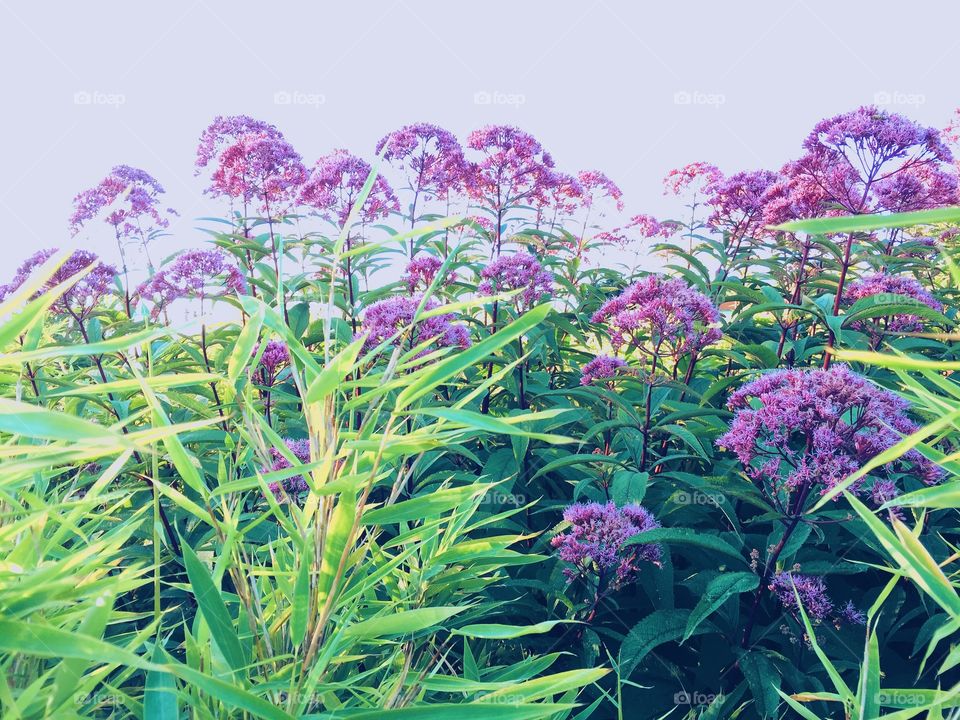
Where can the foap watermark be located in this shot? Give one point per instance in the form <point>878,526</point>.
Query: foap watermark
<point>497,97</point>
<point>898,97</point>
<point>713,499</point>
<point>299,97</point>
<point>696,698</point>
<point>499,498</point>
<point>98,97</point>
<point>899,698</point>
<point>699,97</point>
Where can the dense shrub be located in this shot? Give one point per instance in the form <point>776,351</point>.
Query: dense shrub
<point>437,449</point>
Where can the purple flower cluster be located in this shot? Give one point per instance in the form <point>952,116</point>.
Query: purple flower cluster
<point>813,595</point>
<point>695,177</point>
<point>797,431</point>
<point>225,131</point>
<point>884,284</point>
<point>132,197</point>
<point>191,275</point>
<point>422,270</point>
<point>870,160</point>
<point>83,296</point>
<point>603,367</point>
<point>260,166</point>
<point>334,184</point>
<point>386,319</point>
<point>520,271</point>
<point>595,186</point>
<point>431,156</point>
<point>292,486</point>
<point>514,167</point>
<point>660,317</point>
<point>595,541</point>
<point>274,358</point>
<point>737,202</point>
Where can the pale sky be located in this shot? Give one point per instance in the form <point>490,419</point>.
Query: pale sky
<point>621,86</point>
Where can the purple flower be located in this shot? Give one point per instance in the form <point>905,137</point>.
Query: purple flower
<point>431,156</point>
<point>259,166</point>
<point>737,202</point>
<point>883,284</point>
<point>133,198</point>
<point>334,184</point>
<point>595,541</point>
<point>83,296</point>
<point>853,161</point>
<point>660,317</point>
<point>799,431</point>
<point>422,270</point>
<point>595,186</point>
<point>696,175</point>
<point>275,357</point>
<point>814,598</point>
<point>292,486</point>
<point>225,131</point>
<point>192,275</point>
<point>603,367</point>
<point>560,200</point>
<point>520,271</point>
<point>513,170</point>
<point>383,321</point>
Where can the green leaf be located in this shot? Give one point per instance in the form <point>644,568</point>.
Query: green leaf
<point>862,223</point>
<point>718,590</point>
<point>406,622</point>
<point>213,609</point>
<point>424,381</point>
<point>764,681</point>
<point>658,627</point>
<point>243,349</point>
<point>160,701</point>
<point>684,536</point>
<point>490,631</point>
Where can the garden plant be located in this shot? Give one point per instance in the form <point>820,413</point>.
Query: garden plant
<point>445,431</point>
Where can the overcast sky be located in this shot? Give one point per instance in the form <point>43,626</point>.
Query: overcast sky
<point>614,85</point>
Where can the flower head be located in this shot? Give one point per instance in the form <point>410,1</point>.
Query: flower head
<point>225,131</point>
<point>737,202</point>
<point>431,156</point>
<point>199,273</point>
<point>696,176</point>
<point>393,319</point>
<point>595,543</point>
<point>804,431</point>
<point>83,296</point>
<point>334,185</point>
<point>262,167</point>
<point>513,168</point>
<point>422,270</point>
<point>275,357</point>
<point>660,316</point>
<point>131,199</point>
<point>884,284</point>
<point>814,598</point>
<point>292,486</point>
<point>520,271</point>
<point>603,367</point>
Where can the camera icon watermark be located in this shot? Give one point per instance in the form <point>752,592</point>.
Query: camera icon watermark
<point>299,97</point>
<point>696,698</point>
<point>98,97</point>
<point>498,499</point>
<point>887,98</point>
<point>699,97</point>
<point>496,97</point>
<point>711,499</point>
